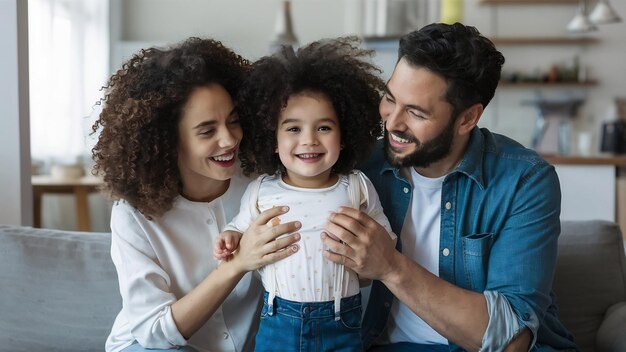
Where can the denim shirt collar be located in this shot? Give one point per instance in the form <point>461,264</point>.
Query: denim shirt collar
<point>471,165</point>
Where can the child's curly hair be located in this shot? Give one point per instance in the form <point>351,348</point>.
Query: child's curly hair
<point>136,152</point>
<point>337,68</point>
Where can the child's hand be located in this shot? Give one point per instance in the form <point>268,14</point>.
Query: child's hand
<point>225,244</point>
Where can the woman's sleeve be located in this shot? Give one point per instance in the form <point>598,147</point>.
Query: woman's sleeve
<point>144,285</point>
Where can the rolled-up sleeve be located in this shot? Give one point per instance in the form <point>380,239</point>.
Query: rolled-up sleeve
<point>523,259</point>
<point>504,324</point>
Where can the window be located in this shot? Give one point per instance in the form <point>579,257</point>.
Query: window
<point>68,64</point>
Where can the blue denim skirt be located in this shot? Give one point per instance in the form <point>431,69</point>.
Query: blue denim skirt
<point>310,326</point>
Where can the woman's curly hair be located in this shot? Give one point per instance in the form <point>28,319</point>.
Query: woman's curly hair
<point>136,152</point>
<point>338,69</point>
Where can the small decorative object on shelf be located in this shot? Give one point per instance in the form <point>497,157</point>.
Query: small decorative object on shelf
<point>553,130</point>
<point>564,73</point>
<point>614,129</point>
<point>283,29</point>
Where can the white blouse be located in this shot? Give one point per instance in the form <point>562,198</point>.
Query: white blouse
<point>306,276</point>
<point>160,261</point>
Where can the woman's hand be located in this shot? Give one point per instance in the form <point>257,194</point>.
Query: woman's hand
<point>258,245</point>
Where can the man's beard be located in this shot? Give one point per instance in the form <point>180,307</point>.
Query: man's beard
<point>424,153</point>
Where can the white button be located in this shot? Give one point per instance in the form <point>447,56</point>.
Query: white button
<point>225,336</point>
<point>405,190</point>
<point>448,205</point>
<point>446,252</point>
<point>210,221</point>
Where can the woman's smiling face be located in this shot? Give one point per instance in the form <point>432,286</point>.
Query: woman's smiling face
<point>209,134</point>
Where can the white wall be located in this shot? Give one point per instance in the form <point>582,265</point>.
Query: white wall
<point>244,25</point>
<point>247,25</point>
<point>15,191</point>
<point>603,60</point>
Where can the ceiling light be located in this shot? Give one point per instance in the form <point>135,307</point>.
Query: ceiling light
<point>581,23</point>
<point>604,13</point>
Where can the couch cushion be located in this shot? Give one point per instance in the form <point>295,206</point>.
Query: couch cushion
<point>612,333</point>
<point>590,276</point>
<point>58,290</point>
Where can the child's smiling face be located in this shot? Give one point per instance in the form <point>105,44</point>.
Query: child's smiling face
<point>308,140</point>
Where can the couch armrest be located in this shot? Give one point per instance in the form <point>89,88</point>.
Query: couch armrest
<point>612,332</point>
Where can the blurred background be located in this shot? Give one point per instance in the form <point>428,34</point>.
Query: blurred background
<point>563,91</point>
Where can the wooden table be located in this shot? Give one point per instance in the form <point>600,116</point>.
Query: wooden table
<point>80,187</point>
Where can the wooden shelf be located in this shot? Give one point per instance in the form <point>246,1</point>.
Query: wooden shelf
<point>528,2</point>
<point>547,84</point>
<point>544,40</point>
<point>603,159</point>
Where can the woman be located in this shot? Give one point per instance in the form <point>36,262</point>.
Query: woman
<point>167,151</point>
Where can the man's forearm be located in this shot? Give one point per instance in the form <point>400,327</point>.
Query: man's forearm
<point>457,314</point>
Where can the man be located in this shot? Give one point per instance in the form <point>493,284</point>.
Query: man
<point>477,214</point>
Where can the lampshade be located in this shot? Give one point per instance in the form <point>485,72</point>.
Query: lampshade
<point>604,13</point>
<point>581,23</point>
<point>283,29</point>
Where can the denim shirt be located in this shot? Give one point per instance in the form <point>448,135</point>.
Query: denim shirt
<point>499,229</point>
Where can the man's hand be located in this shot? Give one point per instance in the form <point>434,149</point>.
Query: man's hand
<point>457,314</point>
<point>363,246</point>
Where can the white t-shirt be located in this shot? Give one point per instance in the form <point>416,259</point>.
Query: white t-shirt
<point>160,261</point>
<point>420,242</point>
<point>307,276</point>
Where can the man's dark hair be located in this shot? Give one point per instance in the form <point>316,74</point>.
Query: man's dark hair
<point>467,61</point>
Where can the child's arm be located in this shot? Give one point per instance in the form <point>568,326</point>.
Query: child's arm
<point>225,244</point>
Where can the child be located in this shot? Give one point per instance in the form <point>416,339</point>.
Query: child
<point>310,118</point>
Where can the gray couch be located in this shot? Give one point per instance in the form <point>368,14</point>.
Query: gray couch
<point>59,292</point>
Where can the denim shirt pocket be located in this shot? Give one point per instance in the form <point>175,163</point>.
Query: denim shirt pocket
<point>476,248</point>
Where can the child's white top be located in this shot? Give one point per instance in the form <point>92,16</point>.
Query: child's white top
<point>306,276</point>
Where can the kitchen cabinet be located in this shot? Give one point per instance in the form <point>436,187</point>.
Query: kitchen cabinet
<point>590,187</point>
